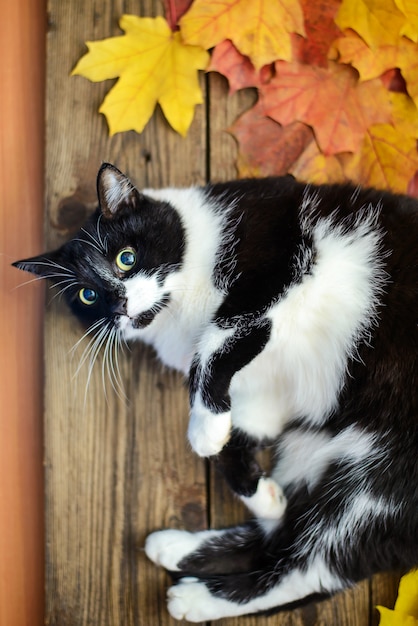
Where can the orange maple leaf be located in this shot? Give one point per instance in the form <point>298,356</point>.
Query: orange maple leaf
<point>321,31</point>
<point>238,69</point>
<point>265,147</point>
<point>372,63</point>
<point>332,101</point>
<point>260,30</point>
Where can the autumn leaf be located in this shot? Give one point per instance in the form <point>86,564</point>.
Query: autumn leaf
<point>378,22</point>
<point>321,31</point>
<point>410,9</point>
<point>388,159</point>
<point>154,66</point>
<point>405,612</point>
<point>239,70</point>
<point>174,10</point>
<point>373,63</point>
<point>404,114</point>
<point>332,101</point>
<point>265,147</point>
<point>260,30</point>
<point>314,167</point>
<point>369,63</point>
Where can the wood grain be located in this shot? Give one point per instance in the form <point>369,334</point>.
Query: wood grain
<point>22,34</point>
<point>118,468</point>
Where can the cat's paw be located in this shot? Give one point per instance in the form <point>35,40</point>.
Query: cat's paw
<point>268,502</point>
<point>208,432</point>
<point>192,600</point>
<point>169,547</point>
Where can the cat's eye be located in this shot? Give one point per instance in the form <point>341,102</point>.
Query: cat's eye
<point>88,296</point>
<point>126,259</point>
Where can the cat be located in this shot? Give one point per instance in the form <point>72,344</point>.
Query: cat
<point>292,309</point>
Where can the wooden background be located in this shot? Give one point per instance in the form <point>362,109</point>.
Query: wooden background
<point>117,469</point>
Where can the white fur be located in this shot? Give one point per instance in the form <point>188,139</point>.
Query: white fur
<point>268,502</point>
<point>359,513</point>
<point>192,600</point>
<point>212,341</point>
<point>117,189</point>
<point>305,455</point>
<point>142,293</point>
<point>175,331</point>
<point>168,547</point>
<point>208,432</point>
<point>315,329</point>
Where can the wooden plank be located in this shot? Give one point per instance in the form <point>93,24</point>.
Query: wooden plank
<point>21,205</point>
<point>115,469</point>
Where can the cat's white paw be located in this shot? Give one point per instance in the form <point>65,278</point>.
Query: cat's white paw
<point>268,502</point>
<point>168,547</point>
<point>191,600</point>
<point>208,432</point>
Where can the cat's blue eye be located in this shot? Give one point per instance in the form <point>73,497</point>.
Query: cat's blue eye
<point>126,259</point>
<point>88,296</point>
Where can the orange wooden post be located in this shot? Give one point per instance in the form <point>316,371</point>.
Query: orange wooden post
<point>22,37</point>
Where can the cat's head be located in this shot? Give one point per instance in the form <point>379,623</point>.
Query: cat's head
<point>115,271</point>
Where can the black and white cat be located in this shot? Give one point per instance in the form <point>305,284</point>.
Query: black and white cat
<point>293,309</point>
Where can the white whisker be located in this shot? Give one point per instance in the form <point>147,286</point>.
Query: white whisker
<point>100,328</point>
<point>89,243</point>
<point>96,243</point>
<point>91,328</point>
<point>28,282</point>
<point>102,243</point>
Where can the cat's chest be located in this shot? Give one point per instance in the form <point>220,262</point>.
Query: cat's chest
<point>176,331</point>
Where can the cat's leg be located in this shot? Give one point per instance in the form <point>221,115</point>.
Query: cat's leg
<point>224,350</point>
<point>244,475</point>
<point>236,572</point>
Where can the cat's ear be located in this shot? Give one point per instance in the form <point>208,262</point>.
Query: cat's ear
<point>115,191</point>
<point>44,265</point>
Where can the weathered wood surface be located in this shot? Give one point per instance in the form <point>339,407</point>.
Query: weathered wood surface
<point>117,469</point>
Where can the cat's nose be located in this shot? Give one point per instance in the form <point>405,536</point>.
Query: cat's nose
<point>120,307</point>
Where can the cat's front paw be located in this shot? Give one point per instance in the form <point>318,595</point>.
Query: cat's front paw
<point>208,432</point>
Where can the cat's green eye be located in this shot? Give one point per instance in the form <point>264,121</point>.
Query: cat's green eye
<point>88,296</point>
<point>126,259</point>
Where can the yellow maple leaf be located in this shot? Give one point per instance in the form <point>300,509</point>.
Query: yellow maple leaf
<point>260,30</point>
<point>154,66</point>
<point>377,21</point>
<point>405,612</point>
<point>388,159</point>
<point>410,9</point>
<point>404,114</point>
